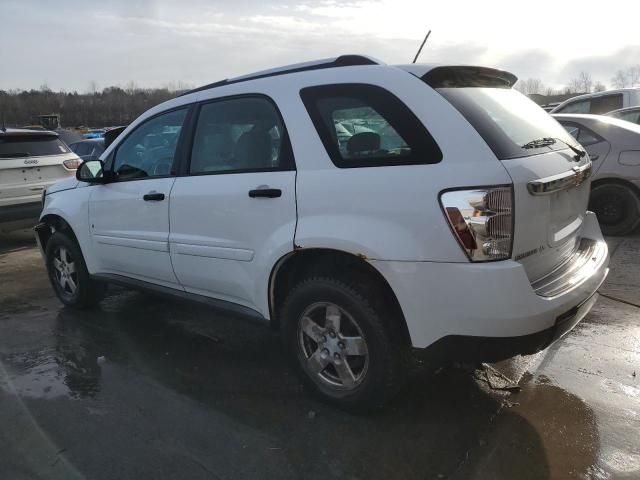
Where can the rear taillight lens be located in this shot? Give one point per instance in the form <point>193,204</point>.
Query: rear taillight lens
<point>72,164</point>
<point>481,220</point>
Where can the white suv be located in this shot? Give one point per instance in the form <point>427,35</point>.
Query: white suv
<point>362,209</point>
<point>30,161</point>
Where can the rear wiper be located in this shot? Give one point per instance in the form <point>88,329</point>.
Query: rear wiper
<point>546,141</point>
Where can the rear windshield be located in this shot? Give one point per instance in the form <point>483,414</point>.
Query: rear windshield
<point>508,121</point>
<point>31,146</point>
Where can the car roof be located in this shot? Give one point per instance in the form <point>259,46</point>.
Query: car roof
<point>599,122</point>
<point>586,96</point>
<point>417,69</point>
<point>623,110</point>
<point>90,140</point>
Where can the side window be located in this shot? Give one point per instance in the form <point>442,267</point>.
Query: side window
<point>582,106</point>
<point>633,117</point>
<point>149,151</point>
<point>583,135</point>
<point>239,135</point>
<point>367,126</point>
<point>606,103</point>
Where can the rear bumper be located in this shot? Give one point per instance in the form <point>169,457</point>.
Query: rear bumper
<point>494,349</point>
<point>21,211</point>
<point>493,305</point>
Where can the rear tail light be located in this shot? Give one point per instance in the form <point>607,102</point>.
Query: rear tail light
<point>482,221</point>
<point>72,164</point>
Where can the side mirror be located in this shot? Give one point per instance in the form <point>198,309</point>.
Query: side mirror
<point>91,171</point>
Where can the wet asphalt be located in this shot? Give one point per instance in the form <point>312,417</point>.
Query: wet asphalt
<point>151,388</point>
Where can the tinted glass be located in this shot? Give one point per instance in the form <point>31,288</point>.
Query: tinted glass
<point>367,126</point>
<point>583,135</point>
<point>31,146</point>
<point>236,135</point>
<point>633,117</point>
<point>606,103</point>
<point>582,106</point>
<point>507,120</point>
<point>150,149</point>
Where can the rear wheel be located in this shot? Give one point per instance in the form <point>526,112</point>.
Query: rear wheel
<point>617,208</point>
<point>68,273</point>
<point>345,348</point>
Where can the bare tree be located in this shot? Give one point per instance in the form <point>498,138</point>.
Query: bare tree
<point>586,83</point>
<point>599,86</point>
<point>574,86</point>
<point>620,79</point>
<point>633,74</point>
<point>529,86</point>
<point>93,87</point>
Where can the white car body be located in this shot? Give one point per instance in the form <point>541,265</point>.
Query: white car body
<point>210,239</point>
<point>24,176</point>
<point>600,103</point>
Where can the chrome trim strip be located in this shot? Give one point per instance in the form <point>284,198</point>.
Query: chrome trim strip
<point>555,183</point>
<point>573,271</point>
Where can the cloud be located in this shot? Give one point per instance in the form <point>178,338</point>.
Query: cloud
<point>154,42</point>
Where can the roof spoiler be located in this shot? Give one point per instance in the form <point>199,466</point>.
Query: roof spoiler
<point>466,76</point>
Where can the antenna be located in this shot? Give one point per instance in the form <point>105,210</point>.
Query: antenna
<point>420,49</point>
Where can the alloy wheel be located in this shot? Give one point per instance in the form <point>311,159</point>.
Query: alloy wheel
<point>334,349</point>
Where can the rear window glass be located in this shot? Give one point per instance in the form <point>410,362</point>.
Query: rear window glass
<point>606,103</point>
<point>367,126</point>
<point>31,146</point>
<point>511,124</point>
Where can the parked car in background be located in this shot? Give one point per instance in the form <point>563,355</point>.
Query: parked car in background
<point>30,161</point>
<point>446,221</point>
<point>89,149</point>
<point>600,103</point>
<point>95,133</point>
<point>630,114</point>
<point>614,148</point>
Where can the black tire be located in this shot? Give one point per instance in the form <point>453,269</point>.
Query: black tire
<point>87,293</point>
<point>617,208</point>
<point>380,373</point>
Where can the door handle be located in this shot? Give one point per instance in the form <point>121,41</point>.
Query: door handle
<point>153,197</point>
<point>265,193</point>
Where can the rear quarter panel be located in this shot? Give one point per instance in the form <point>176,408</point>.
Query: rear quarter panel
<point>384,213</point>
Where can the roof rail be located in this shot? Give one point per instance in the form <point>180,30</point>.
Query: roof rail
<point>341,61</point>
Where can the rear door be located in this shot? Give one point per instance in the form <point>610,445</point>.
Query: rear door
<point>233,213</point>
<point>532,146</point>
<point>129,218</point>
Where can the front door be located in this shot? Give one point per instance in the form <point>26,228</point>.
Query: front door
<point>129,218</point>
<point>233,213</point>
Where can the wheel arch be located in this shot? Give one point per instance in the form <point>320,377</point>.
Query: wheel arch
<point>616,181</point>
<point>51,223</point>
<point>304,262</point>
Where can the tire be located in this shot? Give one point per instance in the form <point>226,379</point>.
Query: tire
<point>353,374</point>
<point>68,273</point>
<point>617,208</point>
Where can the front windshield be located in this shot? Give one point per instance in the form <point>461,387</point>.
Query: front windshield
<point>507,120</point>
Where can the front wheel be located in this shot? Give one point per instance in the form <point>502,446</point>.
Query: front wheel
<point>68,273</point>
<point>342,344</point>
<point>617,208</point>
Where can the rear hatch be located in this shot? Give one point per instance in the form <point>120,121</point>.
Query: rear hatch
<point>29,162</point>
<point>548,171</point>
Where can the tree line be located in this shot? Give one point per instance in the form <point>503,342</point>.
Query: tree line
<point>96,108</point>
<point>583,83</point>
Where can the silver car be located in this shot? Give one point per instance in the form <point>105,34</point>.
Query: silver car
<point>630,114</point>
<point>614,148</point>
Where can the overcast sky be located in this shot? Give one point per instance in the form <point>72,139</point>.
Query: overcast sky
<point>69,44</point>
